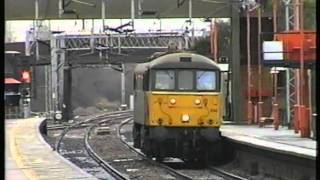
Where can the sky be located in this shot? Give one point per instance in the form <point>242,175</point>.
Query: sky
<point>16,30</point>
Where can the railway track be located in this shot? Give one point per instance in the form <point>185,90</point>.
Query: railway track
<point>86,128</point>
<point>225,174</point>
<point>106,166</point>
<point>219,173</point>
<point>116,165</point>
<point>171,170</point>
<point>93,119</point>
<point>120,166</point>
<point>80,152</point>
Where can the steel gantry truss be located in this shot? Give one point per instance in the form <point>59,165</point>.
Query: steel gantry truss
<point>138,41</point>
<point>60,44</point>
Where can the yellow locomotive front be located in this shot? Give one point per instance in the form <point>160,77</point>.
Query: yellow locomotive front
<point>181,112</point>
<point>184,109</point>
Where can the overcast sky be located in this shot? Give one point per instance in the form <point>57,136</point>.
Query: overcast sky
<point>16,30</point>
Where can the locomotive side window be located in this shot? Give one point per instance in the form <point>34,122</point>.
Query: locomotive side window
<point>185,80</point>
<point>146,81</point>
<point>206,80</point>
<point>164,80</point>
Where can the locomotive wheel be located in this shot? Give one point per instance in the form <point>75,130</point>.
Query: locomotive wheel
<point>136,135</point>
<point>159,158</point>
<point>216,150</point>
<point>204,159</point>
<point>159,152</point>
<point>145,143</point>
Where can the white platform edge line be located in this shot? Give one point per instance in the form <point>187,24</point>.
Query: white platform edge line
<point>57,154</point>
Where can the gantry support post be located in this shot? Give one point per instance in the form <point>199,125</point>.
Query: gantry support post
<point>288,107</point>
<point>132,13</point>
<point>103,13</point>
<point>190,11</point>
<point>57,76</point>
<point>60,10</point>
<point>236,86</point>
<point>190,22</point>
<point>290,77</point>
<point>67,113</point>
<point>36,28</point>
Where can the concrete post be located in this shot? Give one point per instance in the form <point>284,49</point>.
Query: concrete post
<point>67,104</point>
<point>57,73</point>
<point>26,109</point>
<point>236,93</point>
<point>60,72</point>
<point>313,101</point>
<point>54,78</point>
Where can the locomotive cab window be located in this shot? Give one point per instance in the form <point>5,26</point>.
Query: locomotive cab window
<point>164,80</point>
<point>185,80</point>
<point>206,80</point>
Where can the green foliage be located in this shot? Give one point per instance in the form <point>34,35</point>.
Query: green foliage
<point>224,39</point>
<point>309,14</point>
<point>267,6</point>
<point>102,103</point>
<point>202,46</point>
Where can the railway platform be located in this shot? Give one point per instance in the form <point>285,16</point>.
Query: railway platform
<point>28,156</point>
<point>283,141</point>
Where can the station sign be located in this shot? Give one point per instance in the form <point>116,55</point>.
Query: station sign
<point>272,50</point>
<point>289,49</point>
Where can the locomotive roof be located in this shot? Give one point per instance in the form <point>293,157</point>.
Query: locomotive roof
<point>180,60</point>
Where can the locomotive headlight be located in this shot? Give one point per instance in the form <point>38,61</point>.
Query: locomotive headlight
<point>172,101</point>
<point>197,101</point>
<point>185,118</point>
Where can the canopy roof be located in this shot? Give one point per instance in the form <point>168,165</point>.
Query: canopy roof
<point>116,9</point>
<point>11,81</point>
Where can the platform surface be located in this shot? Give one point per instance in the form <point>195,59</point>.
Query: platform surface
<point>282,140</point>
<point>28,156</point>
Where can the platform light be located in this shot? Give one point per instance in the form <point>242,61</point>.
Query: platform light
<point>25,76</point>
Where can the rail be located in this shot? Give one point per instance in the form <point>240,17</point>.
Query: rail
<point>171,170</point>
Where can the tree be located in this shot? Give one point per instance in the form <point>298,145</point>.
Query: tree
<point>202,46</point>
<point>309,14</point>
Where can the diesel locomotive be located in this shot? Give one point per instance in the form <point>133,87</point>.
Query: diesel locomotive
<point>177,106</point>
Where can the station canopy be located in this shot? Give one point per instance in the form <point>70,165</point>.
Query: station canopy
<point>116,9</point>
